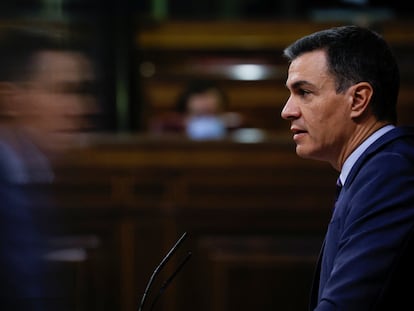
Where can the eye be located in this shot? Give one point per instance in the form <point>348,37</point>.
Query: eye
<point>304,92</point>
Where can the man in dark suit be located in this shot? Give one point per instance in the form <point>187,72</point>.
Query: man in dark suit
<point>344,84</point>
<point>45,102</point>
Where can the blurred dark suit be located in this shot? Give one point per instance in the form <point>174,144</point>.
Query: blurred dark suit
<point>22,278</point>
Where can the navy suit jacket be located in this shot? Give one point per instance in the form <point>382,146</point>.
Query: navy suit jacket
<point>20,248</point>
<point>23,279</point>
<point>368,249</point>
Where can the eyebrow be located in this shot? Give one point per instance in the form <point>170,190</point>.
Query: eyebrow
<point>299,84</point>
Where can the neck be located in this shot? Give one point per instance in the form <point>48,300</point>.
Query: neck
<point>361,133</point>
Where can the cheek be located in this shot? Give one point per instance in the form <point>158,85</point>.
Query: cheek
<point>328,110</point>
<point>331,129</point>
<point>324,122</point>
<point>314,118</point>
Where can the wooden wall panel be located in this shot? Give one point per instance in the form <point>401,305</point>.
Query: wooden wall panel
<point>177,52</point>
<point>254,214</point>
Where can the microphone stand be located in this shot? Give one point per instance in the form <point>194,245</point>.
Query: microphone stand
<point>157,271</point>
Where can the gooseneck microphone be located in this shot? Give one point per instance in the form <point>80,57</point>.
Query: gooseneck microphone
<point>157,271</point>
<point>169,280</point>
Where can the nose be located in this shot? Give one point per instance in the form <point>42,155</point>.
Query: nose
<point>290,111</point>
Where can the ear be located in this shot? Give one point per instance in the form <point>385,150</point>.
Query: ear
<point>361,96</point>
<point>7,99</point>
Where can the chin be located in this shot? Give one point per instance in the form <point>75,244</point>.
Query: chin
<point>305,153</point>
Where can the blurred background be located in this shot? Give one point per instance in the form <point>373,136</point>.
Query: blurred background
<point>149,49</point>
<point>188,137</point>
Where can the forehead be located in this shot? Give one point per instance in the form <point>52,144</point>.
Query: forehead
<point>309,67</point>
<point>61,64</point>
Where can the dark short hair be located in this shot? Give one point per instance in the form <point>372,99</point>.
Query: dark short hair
<point>199,86</point>
<point>18,46</point>
<point>356,54</point>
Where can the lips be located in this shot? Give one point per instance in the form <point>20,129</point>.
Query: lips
<point>297,132</point>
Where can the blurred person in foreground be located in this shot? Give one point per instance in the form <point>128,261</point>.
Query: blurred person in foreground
<point>201,112</point>
<point>344,84</point>
<point>44,103</point>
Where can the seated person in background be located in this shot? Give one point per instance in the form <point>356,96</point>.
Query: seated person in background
<point>200,112</point>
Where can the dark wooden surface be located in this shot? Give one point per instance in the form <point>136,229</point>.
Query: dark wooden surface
<point>255,215</point>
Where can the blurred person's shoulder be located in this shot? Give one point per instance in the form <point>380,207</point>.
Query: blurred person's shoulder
<point>11,166</point>
<point>22,158</point>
